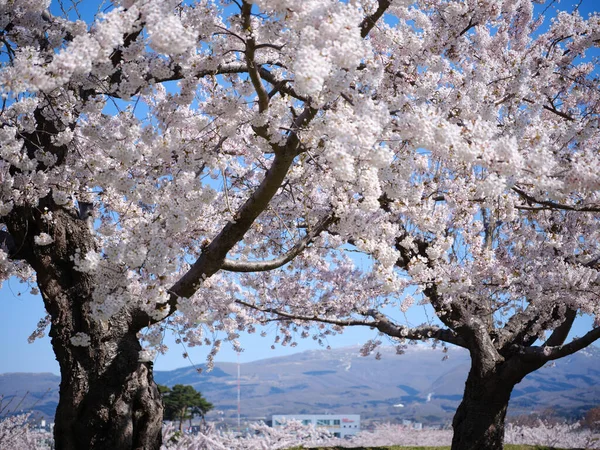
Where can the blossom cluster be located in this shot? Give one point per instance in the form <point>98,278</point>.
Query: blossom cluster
<point>16,431</point>
<point>80,340</point>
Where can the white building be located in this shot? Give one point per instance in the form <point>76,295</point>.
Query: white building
<point>340,425</point>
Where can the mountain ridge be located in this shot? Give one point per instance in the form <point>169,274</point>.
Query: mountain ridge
<point>341,381</point>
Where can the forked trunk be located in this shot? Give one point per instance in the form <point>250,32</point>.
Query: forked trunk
<point>479,420</point>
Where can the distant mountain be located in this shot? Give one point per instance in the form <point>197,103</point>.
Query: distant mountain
<point>37,392</point>
<point>341,381</point>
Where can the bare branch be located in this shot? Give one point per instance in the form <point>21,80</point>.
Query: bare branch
<point>262,266</point>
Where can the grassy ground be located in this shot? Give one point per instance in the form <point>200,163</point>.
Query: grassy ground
<point>397,447</point>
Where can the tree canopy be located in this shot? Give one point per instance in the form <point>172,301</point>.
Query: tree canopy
<point>183,402</point>
<point>215,165</point>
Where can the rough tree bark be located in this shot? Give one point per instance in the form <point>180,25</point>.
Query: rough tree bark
<point>497,365</point>
<point>108,398</point>
<point>479,420</point>
<point>117,408</point>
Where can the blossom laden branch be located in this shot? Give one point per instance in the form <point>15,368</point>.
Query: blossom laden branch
<point>213,256</point>
<point>253,68</point>
<point>379,322</point>
<point>549,204</point>
<point>518,328</point>
<point>386,326</point>
<point>280,85</point>
<point>560,333</point>
<point>370,21</point>
<point>261,266</point>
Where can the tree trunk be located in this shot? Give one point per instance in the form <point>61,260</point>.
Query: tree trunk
<point>479,420</point>
<point>108,398</point>
<point>181,419</point>
<point>113,407</point>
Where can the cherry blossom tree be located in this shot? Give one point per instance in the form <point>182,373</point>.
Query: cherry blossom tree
<point>215,164</point>
<point>488,210</point>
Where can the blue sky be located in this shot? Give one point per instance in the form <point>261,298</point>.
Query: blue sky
<point>20,311</point>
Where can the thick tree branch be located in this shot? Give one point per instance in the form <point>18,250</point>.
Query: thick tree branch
<point>523,328</point>
<point>386,326</point>
<point>262,266</point>
<point>517,328</point>
<point>560,333</point>
<point>469,26</point>
<point>213,256</point>
<point>177,74</point>
<point>448,315</point>
<point>476,334</point>
<point>8,242</point>
<point>369,22</point>
<point>545,354</point>
<point>117,55</point>
<point>280,85</point>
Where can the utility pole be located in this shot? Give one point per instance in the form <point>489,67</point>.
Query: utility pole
<point>239,404</point>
